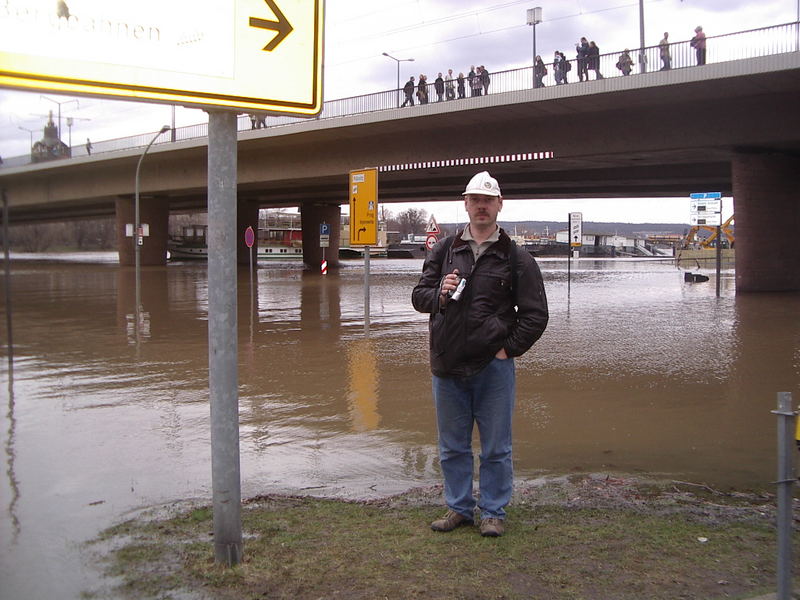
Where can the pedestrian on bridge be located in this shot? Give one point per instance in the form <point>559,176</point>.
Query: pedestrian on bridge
<point>698,42</point>
<point>477,83</point>
<point>487,304</point>
<point>666,57</point>
<point>408,90</point>
<point>438,85</point>
<point>422,89</point>
<point>625,62</point>
<point>485,81</point>
<point>593,61</point>
<point>540,70</point>
<point>582,55</point>
<point>558,68</point>
<point>460,85</point>
<point>450,89</point>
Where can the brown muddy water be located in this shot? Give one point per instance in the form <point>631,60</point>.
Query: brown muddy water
<point>638,372</point>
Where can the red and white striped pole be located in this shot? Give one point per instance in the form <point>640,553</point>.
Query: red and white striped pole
<point>324,267</point>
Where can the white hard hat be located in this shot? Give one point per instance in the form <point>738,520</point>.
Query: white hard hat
<point>483,184</point>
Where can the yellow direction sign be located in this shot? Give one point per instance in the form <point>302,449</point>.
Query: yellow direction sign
<point>250,55</point>
<point>364,207</point>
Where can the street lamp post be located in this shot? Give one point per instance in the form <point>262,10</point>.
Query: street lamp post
<point>398,61</point>
<point>29,131</point>
<point>59,110</point>
<point>137,240</point>
<point>534,18</point>
<point>642,58</point>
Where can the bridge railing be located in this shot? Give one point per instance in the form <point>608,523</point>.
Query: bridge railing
<point>767,41</point>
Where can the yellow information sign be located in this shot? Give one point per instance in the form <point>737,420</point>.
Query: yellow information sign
<point>250,55</point>
<point>364,207</point>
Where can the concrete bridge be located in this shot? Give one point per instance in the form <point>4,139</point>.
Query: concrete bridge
<point>730,127</point>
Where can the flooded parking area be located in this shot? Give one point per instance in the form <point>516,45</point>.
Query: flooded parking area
<point>638,372</point>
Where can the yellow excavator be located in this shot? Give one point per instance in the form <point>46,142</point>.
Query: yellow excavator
<point>691,236</point>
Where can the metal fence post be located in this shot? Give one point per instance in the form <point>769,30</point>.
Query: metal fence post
<point>785,482</point>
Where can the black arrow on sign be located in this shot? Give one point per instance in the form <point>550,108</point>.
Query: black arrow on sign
<point>282,26</point>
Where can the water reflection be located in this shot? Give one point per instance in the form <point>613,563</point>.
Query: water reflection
<point>363,396</point>
<point>13,483</point>
<point>638,371</point>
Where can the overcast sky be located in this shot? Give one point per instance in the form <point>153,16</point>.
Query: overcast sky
<point>438,34</point>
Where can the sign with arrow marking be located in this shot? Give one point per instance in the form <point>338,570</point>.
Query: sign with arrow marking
<point>364,207</point>
<point>247,55</point>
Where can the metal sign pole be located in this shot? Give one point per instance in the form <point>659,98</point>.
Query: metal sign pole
<point>569,251</point>
<point>222,338</point>
<point>786,481</point>
<point>719,257</point>
<point>6,251</point>
<point>366,290</point>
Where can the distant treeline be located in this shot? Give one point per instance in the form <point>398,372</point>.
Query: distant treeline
<point>533,228</point>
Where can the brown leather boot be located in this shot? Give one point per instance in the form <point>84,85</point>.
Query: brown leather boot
<point>491,527</point>
<point>450,521</point>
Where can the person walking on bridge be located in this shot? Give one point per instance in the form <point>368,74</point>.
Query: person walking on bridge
<point>625,62</point>
<point>408,90</point>
<point>582,55</point>
<point>540,71</point>
<point>487,304</point>
<point>666,57</point>
<point>593,61</point>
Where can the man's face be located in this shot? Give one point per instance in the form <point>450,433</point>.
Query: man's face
<point>482,210</point>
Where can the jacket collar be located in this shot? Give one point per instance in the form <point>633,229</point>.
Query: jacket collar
<point>502,245</point>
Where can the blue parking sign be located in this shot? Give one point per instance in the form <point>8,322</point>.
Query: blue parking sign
<point>324,229</point>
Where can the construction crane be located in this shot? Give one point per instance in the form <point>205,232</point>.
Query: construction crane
<point>725,228</point>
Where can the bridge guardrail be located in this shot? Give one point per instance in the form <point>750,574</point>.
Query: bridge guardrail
<point>766,41</point>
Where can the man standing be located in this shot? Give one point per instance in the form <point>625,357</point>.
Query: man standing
<point>666,57</point>
<point>698,42</point>
<point>582,54</point>
<point>438,85</point>
<point>408,90</point>
<point>450,87</point>
<point>487,305</point>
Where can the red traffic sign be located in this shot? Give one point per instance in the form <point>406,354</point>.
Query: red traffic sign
<point>433,226</point>
<point>430,241</point>
<point>249,237</point>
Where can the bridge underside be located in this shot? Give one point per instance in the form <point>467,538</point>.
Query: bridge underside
<point>658,135</point>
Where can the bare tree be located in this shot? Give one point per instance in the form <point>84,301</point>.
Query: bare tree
<point>413,221</point>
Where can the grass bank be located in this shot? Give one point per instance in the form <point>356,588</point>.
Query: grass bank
<point>580,537</point>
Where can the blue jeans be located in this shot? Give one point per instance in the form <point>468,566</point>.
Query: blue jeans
<point>487,399</point>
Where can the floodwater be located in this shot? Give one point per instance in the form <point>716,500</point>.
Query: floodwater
<point>638,372</point>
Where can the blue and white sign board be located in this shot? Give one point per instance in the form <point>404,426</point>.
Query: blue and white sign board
<point>324,229</point>
<point>705,208</point>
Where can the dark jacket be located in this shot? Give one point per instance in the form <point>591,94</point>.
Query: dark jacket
<point>466,334</point>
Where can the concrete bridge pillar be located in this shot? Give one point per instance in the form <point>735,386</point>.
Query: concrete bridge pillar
<point>767,209</point>
<point>154,212</point>
<point>246,216</point>
<point>313,215</point>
